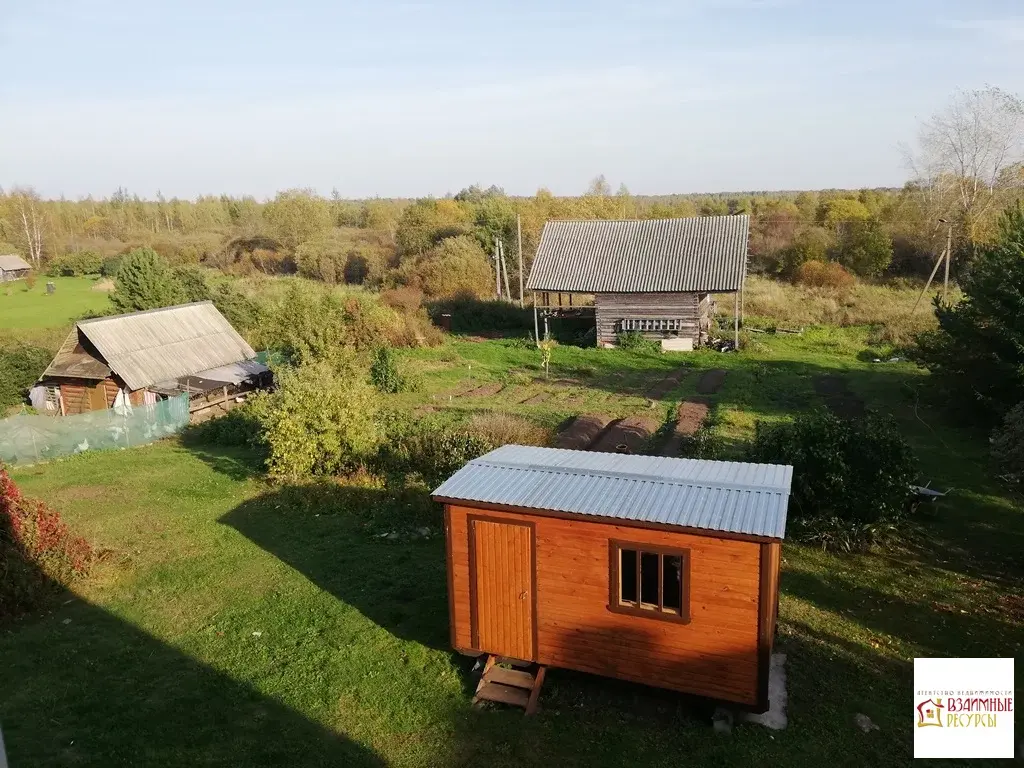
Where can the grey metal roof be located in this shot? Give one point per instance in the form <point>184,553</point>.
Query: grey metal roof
<point>706,253</point>
<point>12,261</point>
<point>144,348</point>
<point>727,496</point>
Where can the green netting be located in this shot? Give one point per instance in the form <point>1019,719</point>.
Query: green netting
<point>29,439</point>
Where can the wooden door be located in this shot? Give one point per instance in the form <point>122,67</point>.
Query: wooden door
<point>502,598</point>
<point>97,397</point>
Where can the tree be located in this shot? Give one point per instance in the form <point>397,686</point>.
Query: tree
<point>841,210</point>
<point>298,215</point>
<point>427,222</point>
<point>810,244</point>
<point>963,152</point>
<point>864,248</point>
<point>145,281</point>
<point>29,213</point>
<point>599,187</point>
<point>977,353</point>
<point>194,285</point>
<point>457,265</point>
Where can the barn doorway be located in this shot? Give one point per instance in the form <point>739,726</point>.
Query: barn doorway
<point>503,605</point>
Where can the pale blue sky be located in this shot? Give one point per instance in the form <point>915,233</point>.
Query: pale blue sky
<point>414,98</point>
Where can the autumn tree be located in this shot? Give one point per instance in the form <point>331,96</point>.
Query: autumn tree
<point>298,215</point>
<point>456,265</point>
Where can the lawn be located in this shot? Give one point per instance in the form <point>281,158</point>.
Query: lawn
<point>24,308</point>
<point>235,623</point>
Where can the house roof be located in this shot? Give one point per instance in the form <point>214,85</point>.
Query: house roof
<point>157,345</point>
<point>725,496</point>
<point>706,253</point>
<point>12,261</point>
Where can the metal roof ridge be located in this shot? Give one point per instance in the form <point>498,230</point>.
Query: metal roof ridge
<point>139,312</point>
<point>640,477</point>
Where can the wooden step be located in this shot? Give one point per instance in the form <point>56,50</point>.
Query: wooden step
<point>514,677</point>
<point>505,694</point>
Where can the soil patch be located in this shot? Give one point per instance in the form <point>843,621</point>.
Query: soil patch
<point>630,435</point>
<point>106,285</point>
<point>583,431</point>
<point>666,385</point>
<point>689,418</point>
<point>540,397</point>
<point>486,390</point>
<point>464,386</point>
<point>838,398</point>
<point>711,381</point>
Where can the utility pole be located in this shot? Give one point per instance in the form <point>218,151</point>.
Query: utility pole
<point>504,266</point>
<point>519,245</point>
<point>949,255</point>
<point>929,283</point>
<point>497,272</point>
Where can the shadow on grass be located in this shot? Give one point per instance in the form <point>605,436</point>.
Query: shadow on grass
<point>83,687</point>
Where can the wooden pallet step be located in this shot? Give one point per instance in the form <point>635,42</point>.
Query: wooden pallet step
<point>503,694</point>
<point>514,677</point>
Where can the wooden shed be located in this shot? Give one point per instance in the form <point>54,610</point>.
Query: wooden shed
<point>655,570</point>
<point>148,356</point>
<point>13,267</point>
<point>654,277</point>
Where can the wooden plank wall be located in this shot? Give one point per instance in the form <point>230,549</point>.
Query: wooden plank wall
<point>692,308</point>
<point>715,655</point>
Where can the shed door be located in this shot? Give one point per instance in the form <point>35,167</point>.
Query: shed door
<point>502,597</point>
<point>97,397</point>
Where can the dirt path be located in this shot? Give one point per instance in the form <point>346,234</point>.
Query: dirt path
<point>666,385</point>
<point>689,418</point>
<point>835,391</point>
<point>583,431</point>
<point>629,435</point>
<point>711,381</point>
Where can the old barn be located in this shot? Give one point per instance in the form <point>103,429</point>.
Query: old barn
<point>150,355</point>
<point>13,267</point>
<point>655,570</point>
<point>653,277</point>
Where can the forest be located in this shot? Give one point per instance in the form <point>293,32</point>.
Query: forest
<point>965,168</point>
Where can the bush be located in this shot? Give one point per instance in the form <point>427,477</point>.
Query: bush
<point>238,428</point>
<point>472,315</point>
<point>75,264</point>
<point>384,371</point>
<point>634,341</point>
<point>850,478</point>
<point>428,447</point>
<point>19,370</point>
<point>1008,446</point>
<point>37,552</point>
<point>319,421</point>
<point>504,428</point>
<point>110,266</point>
<point>455,266</point>
<point>824,274</point>
<point>145,281</point>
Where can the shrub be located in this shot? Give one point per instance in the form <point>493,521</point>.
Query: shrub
<point>238,428</point>
<point>319,421</point>
<point>19,370</point>
<point>850,478</point>
<point>75,264</point>
<point>455,266</point>
<point>428,447</point>
<point>634,341</point>
<point>145,281</point>
<point>824,274</point>
<point>110,266</point>
<point>504,429</point>
<point>1008,445</point>
<point>384,371</point>
<point>37,552</point>
<point>864,247</point>
<point>472,315</point>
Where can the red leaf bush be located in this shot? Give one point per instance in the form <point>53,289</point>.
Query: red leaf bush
<point>37,551</point>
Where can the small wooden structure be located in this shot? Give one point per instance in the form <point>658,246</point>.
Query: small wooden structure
<point>656,570</point>
<point>147,356</point>
<point>652,277</point>
<point>13,267</point>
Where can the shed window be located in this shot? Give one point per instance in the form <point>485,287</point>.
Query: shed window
<point>649,581</point>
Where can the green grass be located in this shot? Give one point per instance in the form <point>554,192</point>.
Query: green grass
<point>233,623</point>
<point>23,309</point>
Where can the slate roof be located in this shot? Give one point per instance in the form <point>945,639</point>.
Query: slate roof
<point>726,496</point>
<point>157,345</point>
<point>706,253</point>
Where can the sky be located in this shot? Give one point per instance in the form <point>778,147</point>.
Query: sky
<point>402,99</point>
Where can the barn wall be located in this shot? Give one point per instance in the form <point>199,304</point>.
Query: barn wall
<point>716,654</point>
<point>75,393</point>
<point>693,308</point>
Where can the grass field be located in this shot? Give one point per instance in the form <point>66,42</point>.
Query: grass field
<point>21,308</point>
<point>234,623</point>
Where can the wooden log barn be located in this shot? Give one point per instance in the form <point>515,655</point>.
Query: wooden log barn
<point>659,571</point>
<point>148,356</point>
<point>653,277</point>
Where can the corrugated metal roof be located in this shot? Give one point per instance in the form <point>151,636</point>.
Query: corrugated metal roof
<point>706,253</point>
<point>727,496</point>
<point>144,348</point>
<point>12,261</point>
